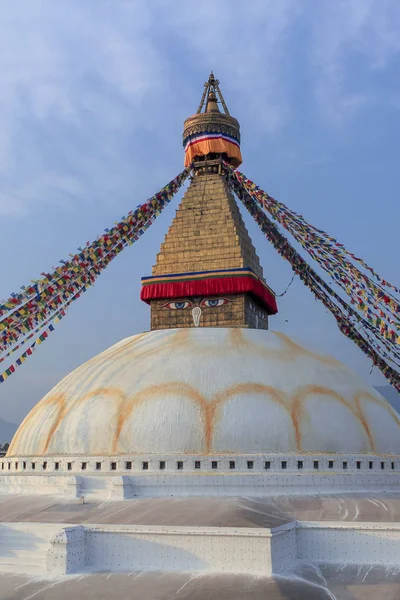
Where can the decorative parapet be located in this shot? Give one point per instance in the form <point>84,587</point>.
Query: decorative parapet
<point>67,552</point>
<point>121,487</point>
<point>71,487</point>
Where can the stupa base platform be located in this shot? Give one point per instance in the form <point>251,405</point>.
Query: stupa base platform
<point>46,537</point>
<point>306,583</point>
<point>127,477</point>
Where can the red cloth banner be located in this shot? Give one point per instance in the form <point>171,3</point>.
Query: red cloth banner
<point>211,287</point>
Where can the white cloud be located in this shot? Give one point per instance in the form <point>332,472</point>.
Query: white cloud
<point>73,82</point>
<point>343,32</point>
<point>246,45</point>
<point>85,85</point>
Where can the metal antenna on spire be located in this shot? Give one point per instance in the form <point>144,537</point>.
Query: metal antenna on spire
<point>221,97</point>
<point>212,85</point>
<point>203,98</point>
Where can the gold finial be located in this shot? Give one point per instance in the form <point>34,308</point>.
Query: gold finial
<point>211,93</point>
<point>212,131</point>
<point>212,102</point>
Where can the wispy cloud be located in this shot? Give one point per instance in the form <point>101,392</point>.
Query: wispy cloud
<point>84,86</point>
<point>349,41</point>
<point>74,84</point>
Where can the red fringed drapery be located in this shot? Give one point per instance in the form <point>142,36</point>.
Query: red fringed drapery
<point>211,283</point>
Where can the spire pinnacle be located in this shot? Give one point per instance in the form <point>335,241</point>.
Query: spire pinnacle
<point>212,93</point>
<point>212,132</point>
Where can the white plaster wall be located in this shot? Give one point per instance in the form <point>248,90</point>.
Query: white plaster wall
<point>68,551</point>
<point>231,550</point>
<point>206,390</point>
<point>152,484</point>
<point>283,547</point>
<point>227,485</point>
<point>59,549</point>
<point>114,464</point>
<point>24,546</point>
<point>343,543</point>
<point>66,486</point>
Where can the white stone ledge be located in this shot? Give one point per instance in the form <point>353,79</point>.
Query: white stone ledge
<point>257,551</point>
<point>346,525</point>
<point>120,487</point>
<point>244,550</point>
<point>344,543</point>
<point>114,465</point>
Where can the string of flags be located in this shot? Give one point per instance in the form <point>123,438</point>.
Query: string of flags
<point>53,319</point>
<point>35,309</point>
<point>357,328</point>
<point>377,299</point>
<point>371,320</point>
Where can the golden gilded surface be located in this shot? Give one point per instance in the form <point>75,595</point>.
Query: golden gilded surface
<point>208,234</point>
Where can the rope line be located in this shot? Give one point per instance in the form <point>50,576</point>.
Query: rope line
<point>368,340</point>
<point>34,311</point>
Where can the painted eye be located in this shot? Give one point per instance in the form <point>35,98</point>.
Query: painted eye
<point>177,305</point>
<point>213,302</point>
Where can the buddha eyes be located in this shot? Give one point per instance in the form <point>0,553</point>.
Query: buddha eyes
<point>213,302</point>
<point>205,302</point>
<point>178,305</point>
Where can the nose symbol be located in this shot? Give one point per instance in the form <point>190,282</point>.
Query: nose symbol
<point>196,314</point>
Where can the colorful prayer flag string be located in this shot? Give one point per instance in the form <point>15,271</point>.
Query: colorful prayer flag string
<point>379,306</point>
<point>27,312</point>
<point>368,339</point>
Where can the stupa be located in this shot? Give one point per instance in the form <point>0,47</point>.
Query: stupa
<point>210,402</point>
<point>210,388</point>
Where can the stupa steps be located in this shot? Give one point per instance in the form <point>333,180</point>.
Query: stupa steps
<point>197,239</point>
<point>21,566</point>
<point>211,226</point>
<point>207,232</point>
<point>214,227</point>
<point>191,257</point>
<point>24,546</point>
<point>189,247</point>
<point>191,252</point>
<point>195,266</point>
<point>187,241</point>
<point>195,245</point>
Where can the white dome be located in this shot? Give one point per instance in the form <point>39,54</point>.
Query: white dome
<point>197,391</point>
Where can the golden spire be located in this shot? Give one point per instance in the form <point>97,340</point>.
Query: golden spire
<point>212,103</point>
<point>211,93</point>
<point>211,132</point>
<point>207,273</point>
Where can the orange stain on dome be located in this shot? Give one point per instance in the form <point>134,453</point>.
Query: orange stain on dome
<point>59,400</point>
<point>151,392</point>
<point>116,394</point>
<point>305,392</point>
<point>209,407</point>
<point>381,402</point>
<point>297,350</point>
<point>289,350</point>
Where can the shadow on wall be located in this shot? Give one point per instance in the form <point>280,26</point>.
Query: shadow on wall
<point>118,552</point>
<point>14,540</point>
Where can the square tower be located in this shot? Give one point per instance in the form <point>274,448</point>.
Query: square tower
<point>207,273</point>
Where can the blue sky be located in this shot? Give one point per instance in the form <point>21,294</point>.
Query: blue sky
<point>93,96</point>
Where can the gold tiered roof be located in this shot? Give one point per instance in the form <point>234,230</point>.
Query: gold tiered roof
<point>207,233</point>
